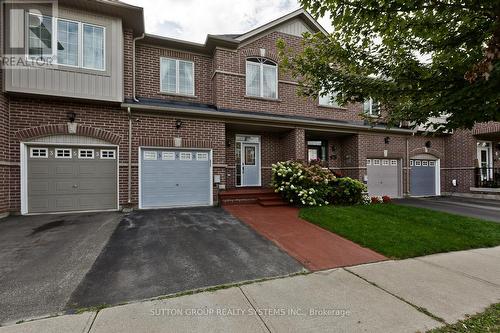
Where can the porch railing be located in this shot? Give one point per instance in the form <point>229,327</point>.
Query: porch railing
<point>487,177</point>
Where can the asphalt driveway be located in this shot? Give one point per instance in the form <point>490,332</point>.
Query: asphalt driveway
<point>44,258</point>
<point>159,252</point>
<point>54,263</point>
<point>478,208</point>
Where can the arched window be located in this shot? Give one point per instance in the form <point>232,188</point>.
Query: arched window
<point>261,78</point>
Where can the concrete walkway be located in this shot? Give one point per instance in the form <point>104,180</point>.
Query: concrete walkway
<point>314,247</point>
<point>391,296</point>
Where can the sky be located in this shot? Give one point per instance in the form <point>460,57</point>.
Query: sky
<point>192,20</point>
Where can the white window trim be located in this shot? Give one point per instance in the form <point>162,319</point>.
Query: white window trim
<point>205,156</point>
<point>80,46</point>
<point>39,149</point>
<point>167,156</point>
<point>54,41</point>
<point>185,154</point>
<point>370,109</point>
<point>331,103</point>
<point>86,157</point>
<point>149,158</point>
<point>177,77</point>
<point>104,46</point>
<point>108,151</point>
<point>64,157</point>
<point>261,69</point>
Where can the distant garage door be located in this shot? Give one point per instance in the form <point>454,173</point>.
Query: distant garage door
<point>175,178</point>
<point>423,177</point>
<point>384,177</point>
<point>65,179</point>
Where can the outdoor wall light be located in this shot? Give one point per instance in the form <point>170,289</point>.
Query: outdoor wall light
<point>387,140</point>
<point>71,116</point>
<point>178,124</point>
<point>428,144</point>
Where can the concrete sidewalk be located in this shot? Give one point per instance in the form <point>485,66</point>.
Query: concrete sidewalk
<point>391,296</point>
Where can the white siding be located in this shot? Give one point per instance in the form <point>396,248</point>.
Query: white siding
<point>295,27</point>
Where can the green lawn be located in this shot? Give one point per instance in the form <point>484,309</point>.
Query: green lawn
<point>487,321</point>
<point>403,232</point>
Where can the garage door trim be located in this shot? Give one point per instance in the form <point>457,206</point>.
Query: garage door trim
<point>211,171</point>
<point>24,146</point>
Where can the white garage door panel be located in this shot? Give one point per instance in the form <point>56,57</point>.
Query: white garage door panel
<point>169,181</point>
<point>384,177</point>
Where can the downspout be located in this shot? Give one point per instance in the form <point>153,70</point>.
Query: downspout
<point>133,65</point>
<point>129,112</point>
<point>129,189</point>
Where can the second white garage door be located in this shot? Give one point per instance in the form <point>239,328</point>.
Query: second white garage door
<point>175,178</point>
<point>384,177</point>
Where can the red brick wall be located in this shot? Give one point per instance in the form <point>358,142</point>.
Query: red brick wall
<point>230,85</point>
<point>4,150</point>
<point>148,73</point>
<point>128,40</point>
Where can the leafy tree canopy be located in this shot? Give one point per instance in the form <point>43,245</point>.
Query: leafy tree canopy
<point>419,58</point>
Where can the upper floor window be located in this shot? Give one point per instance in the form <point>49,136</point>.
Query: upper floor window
<point>371,107</point>
<point>39,36</point>
<point>328,99</point>
<point>261,78</point>
<point>72,43</point>
<point>177,76</point>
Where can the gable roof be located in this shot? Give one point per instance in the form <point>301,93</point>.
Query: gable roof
<point>232,41</point>
<point>301,13</point>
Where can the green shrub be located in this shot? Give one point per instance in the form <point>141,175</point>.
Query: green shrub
<point>302,184</point>
<point>347,191</point>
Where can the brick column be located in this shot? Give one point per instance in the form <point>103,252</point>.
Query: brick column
<point>294,145</point>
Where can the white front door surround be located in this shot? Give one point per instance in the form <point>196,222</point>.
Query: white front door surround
<point>248,160</point>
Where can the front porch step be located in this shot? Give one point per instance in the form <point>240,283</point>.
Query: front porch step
<point>263,196</point>
<point>272,203</point>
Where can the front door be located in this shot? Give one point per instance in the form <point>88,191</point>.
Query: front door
<point>484,159</point>
<point>250,164</point>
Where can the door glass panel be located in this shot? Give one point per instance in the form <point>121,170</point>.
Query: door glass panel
<point>249,155</point>
<point>238,163</point>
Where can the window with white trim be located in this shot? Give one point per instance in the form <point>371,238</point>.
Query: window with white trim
<point>432,163</point>
<point>39,152</point>
<point>385,162</point>
<point>185,156</point>
<point>261,78</point>
<point>418,163</point>
<point>376,162</point>
<point>67,42</point>
<point>177,76</point>
<point>168,156</point>
<point>63,152</point>
<point>368,162</point>
<point>93,47</point>
<point>371,107</point>
<point>150,156</point>
<point>40,32</point>
<point>202,156</point>
<point>328,99</point>
<point>394,162</point>
<point>85,153</point>
<point>108,154</point>
<point>72,43</point>
<point>425,163</point>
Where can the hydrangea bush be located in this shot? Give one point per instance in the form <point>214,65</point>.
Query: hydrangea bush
<point>302,184</point>
<point>347,191</point>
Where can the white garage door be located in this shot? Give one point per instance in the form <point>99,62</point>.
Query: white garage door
<point>384,177</point>
<point>175,178</point>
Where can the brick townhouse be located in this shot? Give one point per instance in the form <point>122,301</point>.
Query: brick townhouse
<point>128,119</point>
